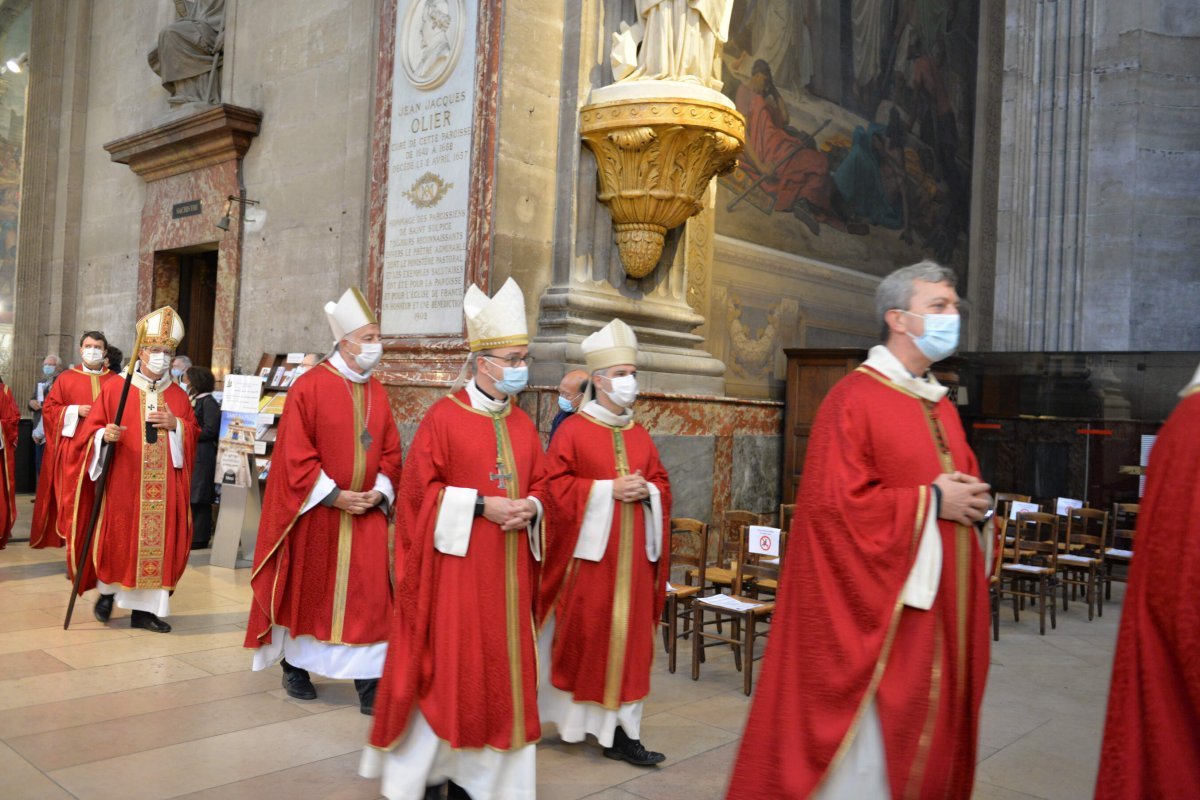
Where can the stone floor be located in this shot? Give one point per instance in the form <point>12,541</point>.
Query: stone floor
<point>109,712</point>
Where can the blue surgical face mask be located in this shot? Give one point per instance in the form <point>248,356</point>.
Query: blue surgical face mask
<point>565,405</point>
<point>940,338</point>
<point>176,373</point>
<point>47,369</point>
<point>515,379</point>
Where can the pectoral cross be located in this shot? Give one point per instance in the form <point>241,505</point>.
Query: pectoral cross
<point>366,439</point>
<point>500,476</point>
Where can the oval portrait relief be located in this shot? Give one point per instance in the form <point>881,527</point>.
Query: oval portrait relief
<point>431,41</point>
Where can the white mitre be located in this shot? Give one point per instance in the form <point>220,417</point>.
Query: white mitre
<point>349,313</point>
<point>613,344</point>
<point>160,328</point>
<point>498,321</point>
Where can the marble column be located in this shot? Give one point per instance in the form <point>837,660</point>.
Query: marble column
<point>589,285</point>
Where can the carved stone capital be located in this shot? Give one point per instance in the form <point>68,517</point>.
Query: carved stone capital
<point>655,158</point>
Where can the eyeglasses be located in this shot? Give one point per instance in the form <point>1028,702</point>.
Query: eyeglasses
<point>514,360</point>
<point>160,351</point>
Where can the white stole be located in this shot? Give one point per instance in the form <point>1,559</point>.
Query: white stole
<point>596,526</point>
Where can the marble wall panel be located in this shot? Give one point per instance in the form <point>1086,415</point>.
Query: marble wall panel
<point>756,461</point>
<point>690,462</point>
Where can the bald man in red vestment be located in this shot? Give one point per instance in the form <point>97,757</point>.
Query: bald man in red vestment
<point>873,679</point>
<point>458,698</point>
<point>70,401</point>
<point>1152,737</point>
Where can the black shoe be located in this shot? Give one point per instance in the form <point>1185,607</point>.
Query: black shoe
<point>456,792</point>
<point>103,608</point>
<point>146,620</point>
<point>631,750</point>
<point>366,695</point>
<point>297,683</point>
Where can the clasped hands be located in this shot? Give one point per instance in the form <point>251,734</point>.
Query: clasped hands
<point>357,502</point>
<point>510,515</point>
<point>163,420</point>
<point>965,498</point>
<point>631,488</point>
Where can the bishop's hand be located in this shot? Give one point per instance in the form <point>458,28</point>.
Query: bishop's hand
<point>112,432</point>
<point>965,498</point>
<point>510,515</point>
<point>163,420</point>
<point>631,488</point>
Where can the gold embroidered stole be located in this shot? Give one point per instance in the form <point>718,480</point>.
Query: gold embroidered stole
<point>346,519</point>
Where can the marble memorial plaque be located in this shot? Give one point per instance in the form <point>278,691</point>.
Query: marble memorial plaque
<point>429,168</point>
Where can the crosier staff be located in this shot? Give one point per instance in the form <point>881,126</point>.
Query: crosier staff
<point>100,484</point>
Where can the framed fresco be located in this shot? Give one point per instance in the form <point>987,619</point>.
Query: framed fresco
<point>860,120</point>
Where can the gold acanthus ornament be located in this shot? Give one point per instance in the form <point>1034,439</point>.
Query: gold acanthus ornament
<point>655,159</point>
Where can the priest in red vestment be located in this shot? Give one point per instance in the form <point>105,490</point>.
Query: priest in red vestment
<point>321,579</point>
<point>458,699</point>
<point>872,682</point>
<point>69,402</point>
<point>10,418</point>
<point>1152,737</point>
<point>144,532</point>
<point>604,571</point>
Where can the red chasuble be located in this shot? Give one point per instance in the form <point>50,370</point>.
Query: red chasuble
<point>841,636</point>
<point>10,418</point>
<point>144,533</point>
<point>324,573</point>
<point>606,611</point>
<point>462,640</point>
<point>54,510</point>
<point>1152,736</point>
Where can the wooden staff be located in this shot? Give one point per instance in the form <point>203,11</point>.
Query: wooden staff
<point>100,484</point>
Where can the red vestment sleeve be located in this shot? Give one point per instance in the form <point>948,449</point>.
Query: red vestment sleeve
<point>1151,743</point>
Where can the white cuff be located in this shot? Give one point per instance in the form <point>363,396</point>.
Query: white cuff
<point>920,589</point>
<point>452,532</point>
<point>70,421</point>
<point>597,522</point>
<point>654,531</point>
<point>97,451</point>
<point>534,529</point>
<point>383,485</point>
<point>175,440</point>
<point>319,492</point>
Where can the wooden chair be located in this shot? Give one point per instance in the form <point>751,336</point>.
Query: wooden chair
<point>745,621</point>
<point>787,511</point>
<point>720,576</point>
<point>998,533</point>
<point>1081,557</point>
<point>689,549</point>
<point>1004,501</point>
<point>1122,526</point>
<point>1033,559</point>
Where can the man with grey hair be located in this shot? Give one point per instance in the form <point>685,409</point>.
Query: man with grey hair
<point>883,630</point>
<point>179,367</point>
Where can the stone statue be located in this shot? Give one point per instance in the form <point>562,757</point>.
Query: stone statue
<point>188,56</point>
<point>680,40</point>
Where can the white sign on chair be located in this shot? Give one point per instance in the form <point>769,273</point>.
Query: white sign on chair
<point>762,541</point>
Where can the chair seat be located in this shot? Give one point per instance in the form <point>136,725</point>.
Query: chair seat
<point>683,591</point>
<point>758,606</point>
<point>1083,561</point>
<point>1028,569</point>
<point>718,575</point>
<point>1114,552</point>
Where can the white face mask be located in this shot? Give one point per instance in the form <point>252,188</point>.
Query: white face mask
<point>623,390</point>
<point>159,363</point>
<point>92,356</point>
<point>368,356</point>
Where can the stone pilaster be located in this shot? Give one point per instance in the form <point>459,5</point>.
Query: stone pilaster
<point>51,190</point>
